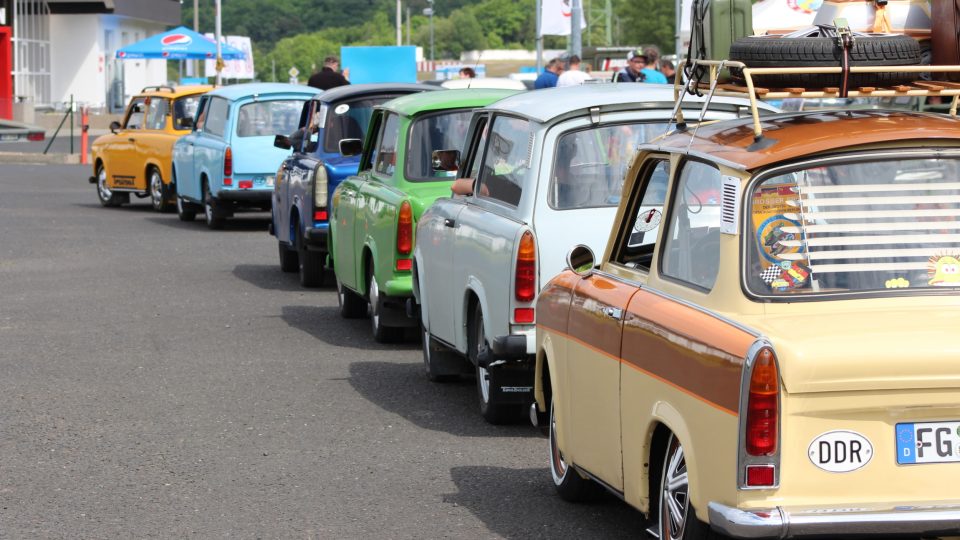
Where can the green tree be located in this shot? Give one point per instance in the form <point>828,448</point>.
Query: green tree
<point>506,23</point>
<point>645,22</point>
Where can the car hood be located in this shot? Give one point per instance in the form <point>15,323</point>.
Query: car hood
<point>866,349</point>
<point>256,155</point>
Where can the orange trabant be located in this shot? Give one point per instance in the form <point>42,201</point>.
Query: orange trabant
<point>136,157</point>
<point>768,347</point>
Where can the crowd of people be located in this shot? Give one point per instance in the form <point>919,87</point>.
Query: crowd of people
<point>643,66</point>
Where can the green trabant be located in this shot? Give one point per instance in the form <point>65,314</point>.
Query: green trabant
<point>409,158</point>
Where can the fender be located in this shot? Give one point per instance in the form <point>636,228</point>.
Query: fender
<point>664,413</point>
<point>369,244</point>
<point>476,287</point>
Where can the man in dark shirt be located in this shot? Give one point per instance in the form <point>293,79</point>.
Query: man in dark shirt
<point>548,79</point>
<point>329,76</point>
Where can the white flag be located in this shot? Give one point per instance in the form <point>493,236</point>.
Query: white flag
<point>555,18</point>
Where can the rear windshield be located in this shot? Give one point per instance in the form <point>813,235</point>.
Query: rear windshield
<point>856,227</point>
<point>590,164</point>
<point>269,118</point>
<point>435,144</point>
<point>349,120</point>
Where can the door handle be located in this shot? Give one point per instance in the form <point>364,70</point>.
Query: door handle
<point>449,223</point>
<point>612,312</point>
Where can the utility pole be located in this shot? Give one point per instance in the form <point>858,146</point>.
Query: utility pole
<point>576,15</point>
<point>196,28</point>
<point>408,24</point>
<point>429,13</point>
<point>539,36</point>
<point>219,63</point>
<point>399,24</point>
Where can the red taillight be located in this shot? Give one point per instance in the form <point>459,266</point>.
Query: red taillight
<point>35,136</point>
<point>246,184</point>
<point>760,475</point>
<point>227,164</point>
<point>320,215</point>
<point>525,284</point>
<point>404,265</point>
<point>228,181</point>
<point>523,315</point>
<point>405,229</point>
<point>763,414</point>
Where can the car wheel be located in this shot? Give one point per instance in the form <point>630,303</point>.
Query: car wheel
<point>436,357</point>
<point>158,195</point>
<point>107,197</point>
<point>310,263</point>
<point>289,262</point>
<point>570,485</point>
<point>381,333</point>
<point>493,412</point>
<point>677,520</point>
<point>185,210</point>
<point>352,305</point>
<point>214,219</point>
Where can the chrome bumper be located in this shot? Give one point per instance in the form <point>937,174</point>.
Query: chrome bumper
<point>786,522</point>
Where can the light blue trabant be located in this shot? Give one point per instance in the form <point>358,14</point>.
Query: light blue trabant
<point>229,162</point>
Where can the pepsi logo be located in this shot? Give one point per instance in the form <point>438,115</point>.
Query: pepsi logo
<point>176,39</point>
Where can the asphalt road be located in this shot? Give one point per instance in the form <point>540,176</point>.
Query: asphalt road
<point>159,380</point>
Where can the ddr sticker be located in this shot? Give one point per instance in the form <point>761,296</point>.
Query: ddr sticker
<point>341,108</point>
<point>840,451</point>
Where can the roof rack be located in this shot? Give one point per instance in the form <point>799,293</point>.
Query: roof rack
<point>157,88</point>
<point>749,90</point>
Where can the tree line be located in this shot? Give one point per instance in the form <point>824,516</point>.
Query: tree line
<point>287,33</point>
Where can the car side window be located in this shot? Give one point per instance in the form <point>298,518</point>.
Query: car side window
<point>691,251</point>
<point>386,159</point>
<point>506,163</point>
<point>639,239</point>
<point>216,117</point>
<point>135,114</point>
<point>157,113</point>
<point>480,141</point>
<point>202,113</point>
<point>367,161</point>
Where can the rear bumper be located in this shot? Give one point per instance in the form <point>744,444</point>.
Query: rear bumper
<point>316,237</point>
<point>787,522</point>
<point>517,345</point>
<point>245,195</point>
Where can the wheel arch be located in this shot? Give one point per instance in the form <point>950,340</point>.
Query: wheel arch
<point>293,224</point>
<point>668,420</point>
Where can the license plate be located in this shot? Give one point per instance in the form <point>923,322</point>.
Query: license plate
<point>9,137</point>
<point>928,442</point>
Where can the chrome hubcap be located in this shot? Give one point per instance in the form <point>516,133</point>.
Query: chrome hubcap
<point>374,303</point>
<point>156,188</point>
<point>483,376</point>
<point>558,466</point>
<point>674,503</point>
<point>102,184</point>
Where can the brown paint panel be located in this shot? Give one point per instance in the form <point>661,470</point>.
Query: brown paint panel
<point>588,321</point>
<point>687,348</point>
<point>553,303</point>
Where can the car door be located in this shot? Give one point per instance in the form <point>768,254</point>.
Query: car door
<point>598,307</point>
<point>124,161</point>
<point>209,147</point>
<point>184,155</point>
<point>152,140</point>
<point>282,194</point>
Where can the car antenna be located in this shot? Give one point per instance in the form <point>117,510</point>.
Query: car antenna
<point>475,66</point>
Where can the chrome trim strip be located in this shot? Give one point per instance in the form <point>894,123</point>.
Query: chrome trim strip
<point>787,522</point>
<point>128,190</point>
<point>692,153</point>
<point>742,458</point>
<point>614,491</point>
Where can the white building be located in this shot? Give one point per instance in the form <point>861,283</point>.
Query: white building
<point>68,47</point>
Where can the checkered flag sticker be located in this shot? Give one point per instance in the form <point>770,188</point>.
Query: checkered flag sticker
<point>771,273</point>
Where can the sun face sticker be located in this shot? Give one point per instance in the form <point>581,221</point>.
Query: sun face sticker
<point>944,271</point>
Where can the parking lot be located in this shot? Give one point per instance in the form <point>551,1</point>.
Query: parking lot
<point>158,379</point>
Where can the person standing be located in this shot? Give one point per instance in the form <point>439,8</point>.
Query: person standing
<point>328,77</point>
<point>637,70</point>
<point>467,73</point>
<point>666,67</point>
<point>548,79</point>
<point>573,76</point>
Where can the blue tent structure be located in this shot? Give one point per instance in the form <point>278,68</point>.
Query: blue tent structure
<point>181,43</point>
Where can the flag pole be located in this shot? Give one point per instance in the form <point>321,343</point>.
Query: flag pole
<point>539,36</point>
<point>219,62</point>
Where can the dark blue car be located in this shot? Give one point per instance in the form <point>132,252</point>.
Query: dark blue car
<point>302,195</point>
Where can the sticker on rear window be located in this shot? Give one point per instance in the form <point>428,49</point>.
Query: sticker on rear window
<point>342,108</point>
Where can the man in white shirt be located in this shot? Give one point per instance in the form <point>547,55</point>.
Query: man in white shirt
<point>573,76</point>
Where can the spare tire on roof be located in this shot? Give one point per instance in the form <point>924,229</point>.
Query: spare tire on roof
<point>816,51</point>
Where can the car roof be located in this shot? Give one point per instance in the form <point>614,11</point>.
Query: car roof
<point>238,91</point>
<point>795,135</point>
<point>412,104</point>
<point>550,104</point>
<point>176,91</point>
<point>354,90</point>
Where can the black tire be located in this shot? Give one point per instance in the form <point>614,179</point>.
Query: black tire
<point>212,214</point>
<point>490,410</point>
<point>309,263</point>
<point>870,50</point>
<point>185,210</point>
<point>436,357</point>
<point>676,518</point>
<point>352,305</point>
<point>107,197</point>
<point>570,485</point>
<point>158,191</point>
<point>381,333</point>
<point>288,258</point>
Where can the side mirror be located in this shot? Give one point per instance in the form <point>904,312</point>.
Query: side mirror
<point>351,147</point>
<point>282,142</point>
<point>445,160</point>
<point>114,126</point>
<point>185,123</point>
<point>581,260</point>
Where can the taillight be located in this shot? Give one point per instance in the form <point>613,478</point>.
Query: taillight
<point>523,315</point>
<point>320,187</point>
<point>405,229</point>
<point>525,284</point>
<point>227,164</point>
<point>763,408</point>
<point>320,215</point>
<point>35,136</point>
<point>245,184</point>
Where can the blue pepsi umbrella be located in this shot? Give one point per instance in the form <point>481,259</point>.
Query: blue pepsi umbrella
<point>181,43</point>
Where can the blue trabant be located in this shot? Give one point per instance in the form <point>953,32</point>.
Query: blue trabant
<point>229,162</point>
<point>307,179</point>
